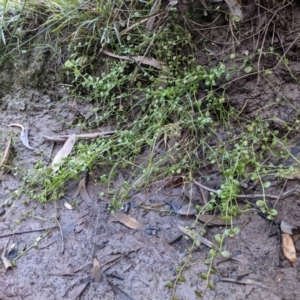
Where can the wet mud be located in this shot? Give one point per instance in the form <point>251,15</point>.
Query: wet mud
<point>134,263</point>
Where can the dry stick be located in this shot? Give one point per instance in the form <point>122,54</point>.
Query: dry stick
<point>96,227</point>
<point>243,107</point>
<point>94,244</point>
<point>251,196</point>
<point>63,138</point>
<point>284,54</point>
<point>61,234</point>
<point>27,231</point>
<point>274,223</point>
<point>60,230</point>
<point>114,261</point>
<point>204,197</point>
<point>267,27</point>
<point>280,193</point>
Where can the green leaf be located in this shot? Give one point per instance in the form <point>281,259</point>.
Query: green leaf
<point>236,18</point>
<point>181,278</point>
<point>211,286</point>
<point>268,72</point>
<point>236,230</point>
<point>197,243</point>
<point>170,285</point>
<point>273,212</point>
<point>218,238</point>
<point>225,218</point>
<point>248,70</point>
<point>267,184</point>
<point>260,203</point>
<point>225,253</point>
<point>198,294</point>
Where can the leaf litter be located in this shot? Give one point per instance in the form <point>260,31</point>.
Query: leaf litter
<point>63,152</point>
<point>4,256</point>
<point>24,135</point>
<point>96,272</point>
<point>197,236</point>
<point>84,193</point>
<point>128,221</point>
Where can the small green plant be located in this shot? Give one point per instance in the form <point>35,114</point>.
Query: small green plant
<point>156,110</point>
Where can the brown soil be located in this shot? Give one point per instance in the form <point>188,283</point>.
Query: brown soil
<point>135,264</point>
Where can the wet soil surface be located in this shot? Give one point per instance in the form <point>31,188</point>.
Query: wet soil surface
<point>134,264</point>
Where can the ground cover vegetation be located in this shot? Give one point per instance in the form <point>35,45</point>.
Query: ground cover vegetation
<point>136,63</point>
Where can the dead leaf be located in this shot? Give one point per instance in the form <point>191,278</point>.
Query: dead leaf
<point>84,194</point>
<point>288,246</point>
<point>245,52</point>
<point>67,205</point>
<point>198,237</point>
<point>6,262</point>
<point>235,9</point>
<point>292,176</point>
<point>63,152</point>
<point>24,134</point>
<point>154,9</point>
<point>24,138</point>
<point>96,272</point>
<point>186,210</point>
<point>13,251</point>
<point>204,3</point>
<point>289,228</point>
<point>128,221</point>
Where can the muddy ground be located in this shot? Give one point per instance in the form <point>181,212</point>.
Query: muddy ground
<point>137,264</point>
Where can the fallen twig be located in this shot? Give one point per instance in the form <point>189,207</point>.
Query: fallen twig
<point>63,138</point>
<point>286,194</point>
<point>27,231</point>
<point>115,260</point>
<point>67,230</point>
<point>6,153</point>
<point>143,60</point>
<point>244,281</point>
<point>5,159</point>
<point>62,236</point>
